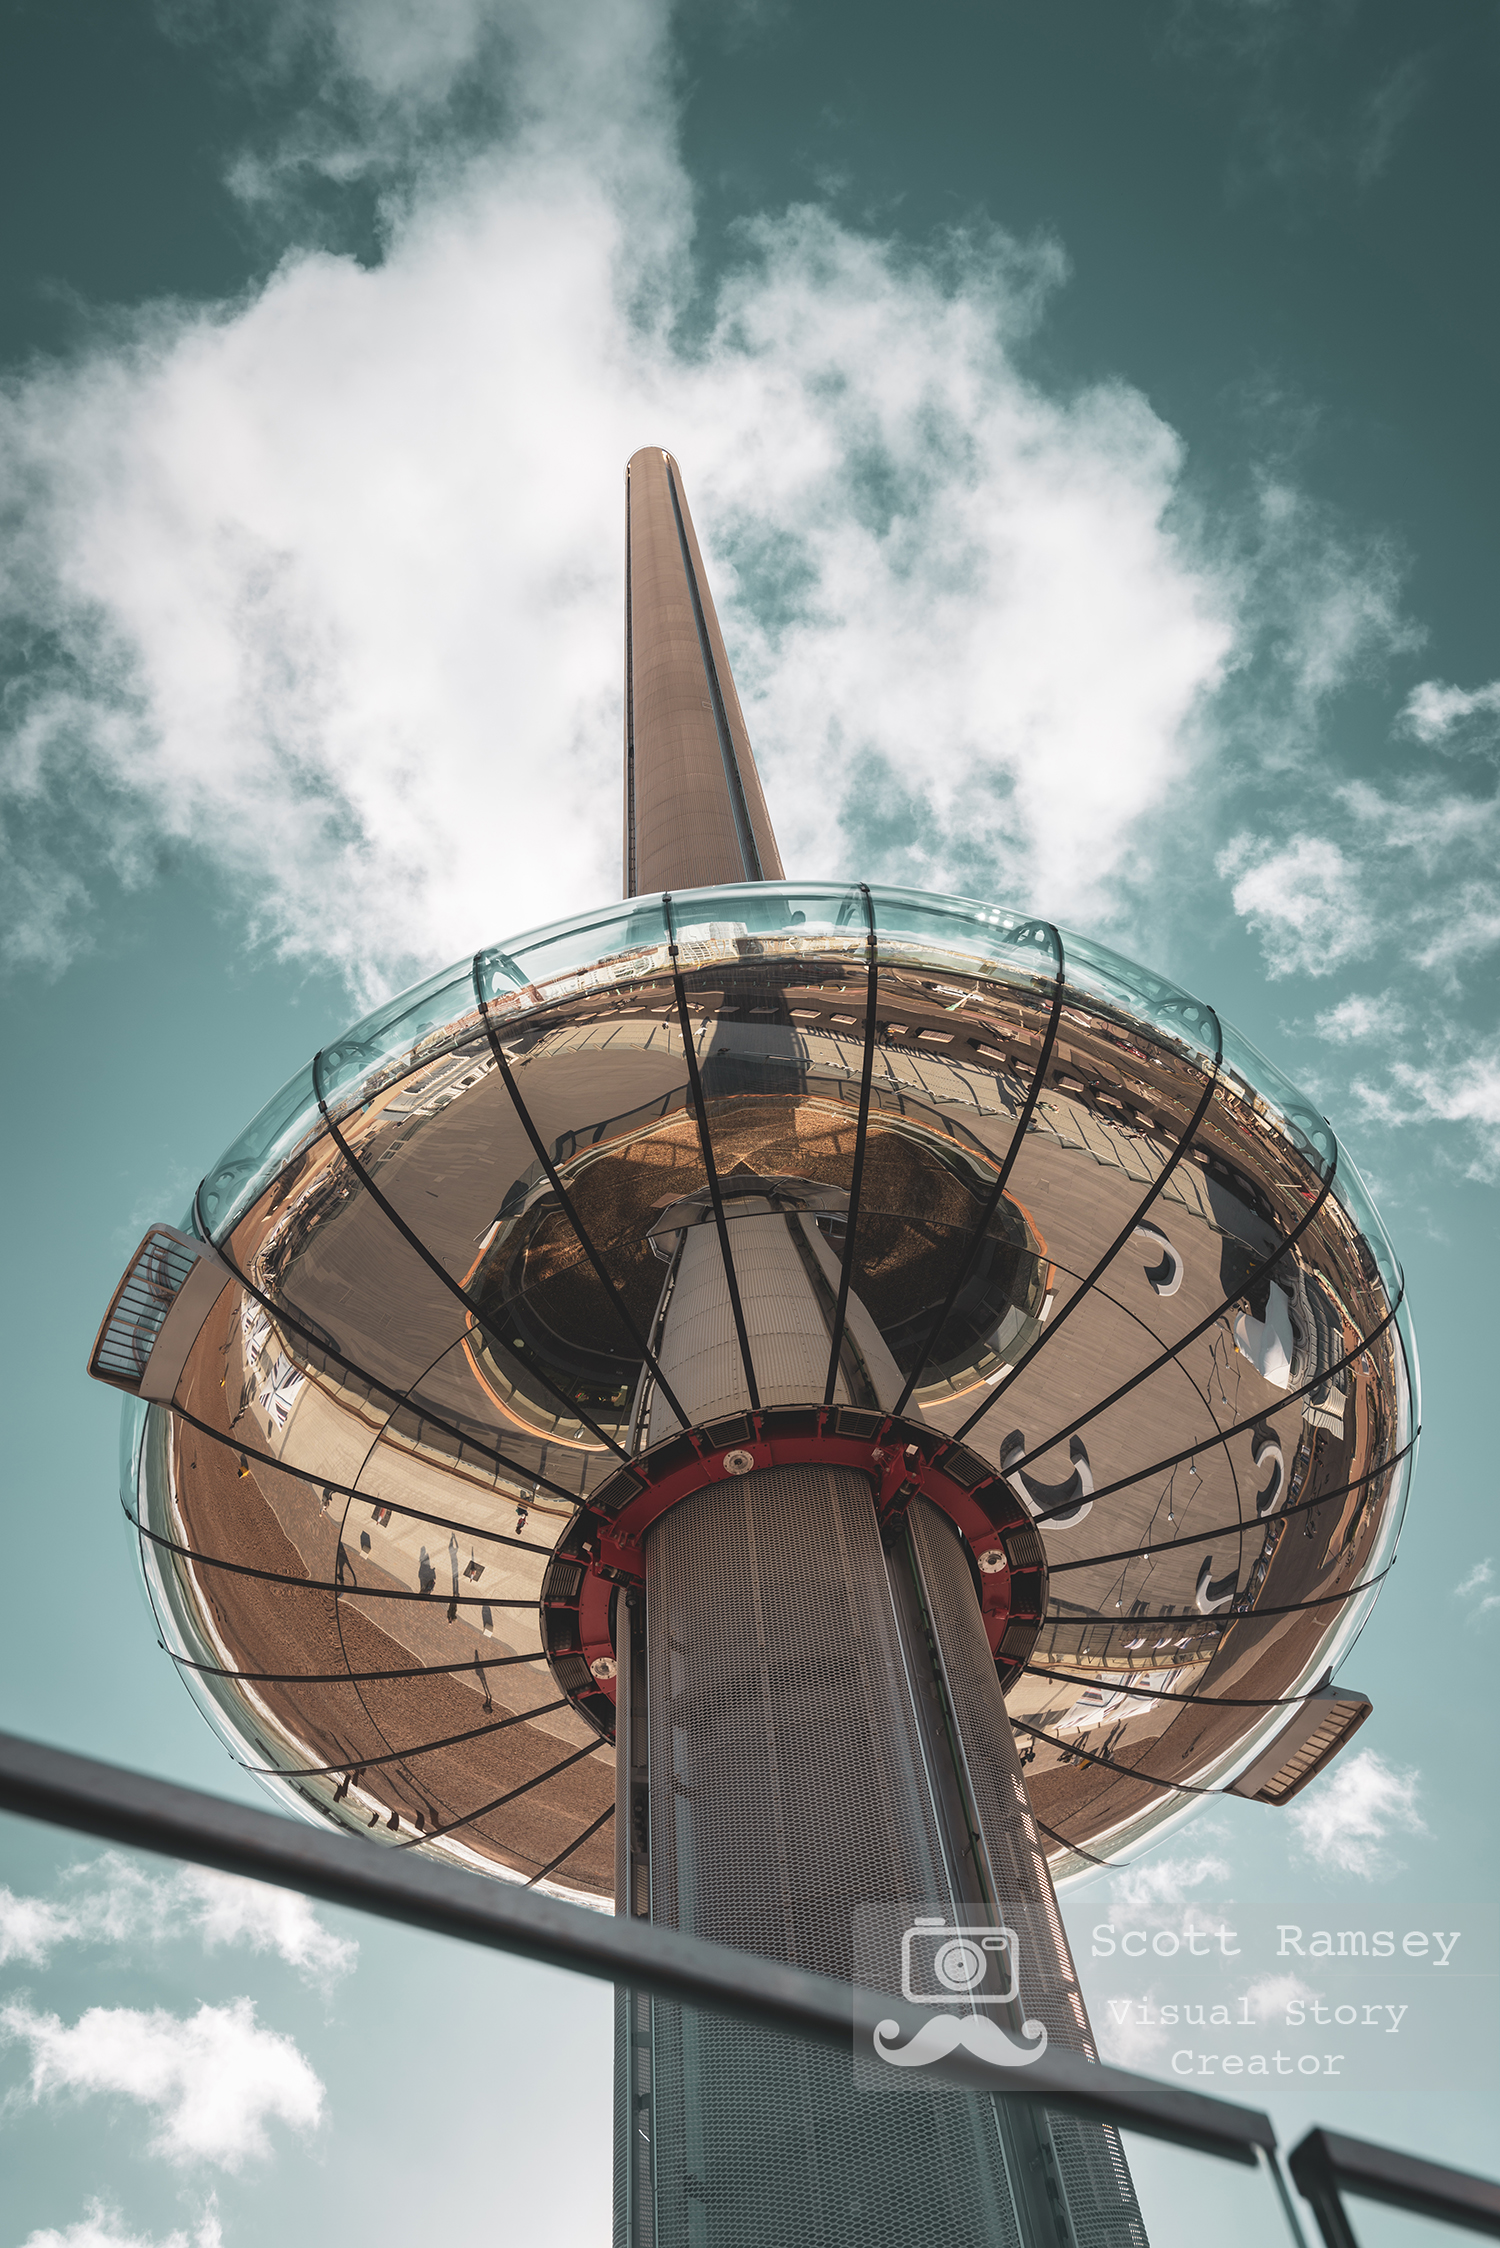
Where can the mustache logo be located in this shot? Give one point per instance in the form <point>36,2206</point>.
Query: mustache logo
<point>943,2034</point>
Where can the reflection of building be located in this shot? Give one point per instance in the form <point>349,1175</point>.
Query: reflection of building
<point>668,1406</point>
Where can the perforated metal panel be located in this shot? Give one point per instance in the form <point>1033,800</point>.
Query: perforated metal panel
<point>1091,2169</point>
<point>787,1789</point>
<point>787,1783</point>
<point>994,1779</point>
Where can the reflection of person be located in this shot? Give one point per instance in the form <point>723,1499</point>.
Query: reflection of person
<point>426,1574</point>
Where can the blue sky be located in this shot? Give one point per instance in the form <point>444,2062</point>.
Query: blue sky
<point>1087,415</point>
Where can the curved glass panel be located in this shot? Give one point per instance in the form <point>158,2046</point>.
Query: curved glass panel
<point>1349,1189</point>
<point>398,1035</point>
<point>589,949</point>
<point>910,920</point>
<point>1121,983</point>
<point>251,1161</point>
<point>1277,1098</point>
<point>802,911</point>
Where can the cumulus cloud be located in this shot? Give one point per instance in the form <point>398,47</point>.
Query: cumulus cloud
<point>1362,1019</point>
<point>1474,1590</point>
<point>1271,1995</point>
<point>213,2080</point>
<point>112,1901</point>
<point>1434,710</point>
<point>1344,1820</point>
<point>1305,901</point>
<point>102,2227</point>
<point>1464,1090</point>
<point>1165,1881</point>
<point>325,583</point>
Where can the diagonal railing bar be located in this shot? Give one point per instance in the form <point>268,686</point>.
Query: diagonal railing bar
<point>992,1204</point>
<point>399,1755</point>
<point>136,1812</point>
<point>861,1136</point>
<point>286,1318</point>
<point>1221,1435</point>
<point>705,1142</point>
<point>1082,1291</point>
<point>355,1677</point>
<point>576,1844</point>
<point>437,1267</point>
<point>346,1585</point>
<point>554,1180</point>
<point>1236,1529</point>
<point>1160,1694</point>
<point>435,1834</point>
<point>348,1491</point>
<point>1256,1273</point>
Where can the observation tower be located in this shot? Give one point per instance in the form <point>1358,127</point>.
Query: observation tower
<point>810,1411</point>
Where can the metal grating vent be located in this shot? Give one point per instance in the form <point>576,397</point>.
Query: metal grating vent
<point>138,1311</point>
<point>787,1789</point>
<point>1304,1747</point>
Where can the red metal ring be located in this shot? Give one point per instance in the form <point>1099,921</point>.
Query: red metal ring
<point>603,1546</point>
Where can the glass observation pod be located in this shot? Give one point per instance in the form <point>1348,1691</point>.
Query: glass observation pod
<point>1129,1283</point>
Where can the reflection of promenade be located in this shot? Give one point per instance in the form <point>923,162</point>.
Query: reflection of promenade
<point>279,1523</point>
<point>386,1388</point>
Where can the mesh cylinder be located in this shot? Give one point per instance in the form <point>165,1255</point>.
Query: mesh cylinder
<point>788,1787</point>
<point>1089,2161</point>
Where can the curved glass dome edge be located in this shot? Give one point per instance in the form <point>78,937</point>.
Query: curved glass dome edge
<point>620,943</point>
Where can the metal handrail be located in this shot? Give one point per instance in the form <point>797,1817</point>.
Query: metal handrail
<point>139,1812</point>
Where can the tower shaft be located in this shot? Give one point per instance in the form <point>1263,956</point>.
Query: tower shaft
<point>695,814</point>
<point>813,1756</point>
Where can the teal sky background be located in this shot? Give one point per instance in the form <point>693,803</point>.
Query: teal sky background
<point>324,335</point>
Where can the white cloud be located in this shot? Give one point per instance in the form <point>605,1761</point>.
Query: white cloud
<point>1307,902</point>
<point>1465,1091</point>
<point>102,2227</point>
<point>1343,1820</point>
<point>1435,710</point>
<point>213,2080</point>
<point>326,583</point>
<point>1270,1995</point>
<point>1362,1019</point>
<point>1126,2039</point>
<point>32,1927</point>
<point>1475,1588</point>
<point>111,1900</point>
<point>1165,1881</point>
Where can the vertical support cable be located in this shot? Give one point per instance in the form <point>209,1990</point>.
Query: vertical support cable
<point>700,1112</point>
<point>1179,1151</point>
<point>585,1242</point>
<point>1256,1273</point>
<point>569,1405</point>
<point>982,1222</point>
<point>856,1180</point>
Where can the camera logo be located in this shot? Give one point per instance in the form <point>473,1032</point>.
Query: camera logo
<point>964,1969</point>
<point>940,1963</point>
